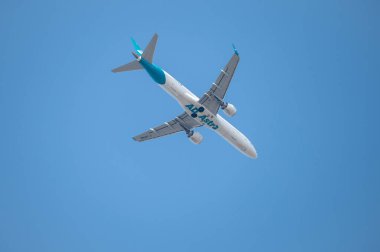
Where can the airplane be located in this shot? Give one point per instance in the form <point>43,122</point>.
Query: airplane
<point>198,112</point>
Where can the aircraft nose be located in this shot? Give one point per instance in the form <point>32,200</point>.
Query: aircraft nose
<point>251,152</point>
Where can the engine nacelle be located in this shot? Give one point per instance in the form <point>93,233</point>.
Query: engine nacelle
<point>229,109</point>
<point>196,138</point>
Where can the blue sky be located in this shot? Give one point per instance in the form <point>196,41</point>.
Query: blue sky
<point>307,93</point>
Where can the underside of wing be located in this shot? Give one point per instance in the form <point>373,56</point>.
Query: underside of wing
<point>182,122</point>
<point>213,98</point>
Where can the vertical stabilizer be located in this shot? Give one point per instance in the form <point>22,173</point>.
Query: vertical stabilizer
<point>137,47</point>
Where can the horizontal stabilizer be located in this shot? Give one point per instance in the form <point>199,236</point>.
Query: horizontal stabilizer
<point>147,54</point>
<point>133,65</point>
<point>149,50</point>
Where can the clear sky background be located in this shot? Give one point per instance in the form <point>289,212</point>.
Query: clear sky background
<point>307,93</point>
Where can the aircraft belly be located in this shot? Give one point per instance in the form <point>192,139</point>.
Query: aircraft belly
<point>178,91</point>
<point>189,102</point>
<point>235,137</point>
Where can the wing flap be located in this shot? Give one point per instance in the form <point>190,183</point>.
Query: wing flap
<point>182,122</point>
<point>211,99</point>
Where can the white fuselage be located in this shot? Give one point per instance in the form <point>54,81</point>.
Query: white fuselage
<point>189,102</point>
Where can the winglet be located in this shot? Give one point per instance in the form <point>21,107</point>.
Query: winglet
<point>236,51</point>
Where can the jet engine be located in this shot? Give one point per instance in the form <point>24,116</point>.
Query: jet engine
<point>229,109</point>
<point>196,138</point>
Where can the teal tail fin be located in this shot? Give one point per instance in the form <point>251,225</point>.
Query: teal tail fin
<point>147,54</point>
<point>137,47</point>
<point>236,51</point>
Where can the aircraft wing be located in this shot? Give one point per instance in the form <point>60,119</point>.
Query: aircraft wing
<point>211,99</point>
<point>183,122</point>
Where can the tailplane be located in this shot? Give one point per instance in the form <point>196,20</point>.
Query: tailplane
<point>147,54</point>
<point>133,65</point>
<point>149,50</point>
